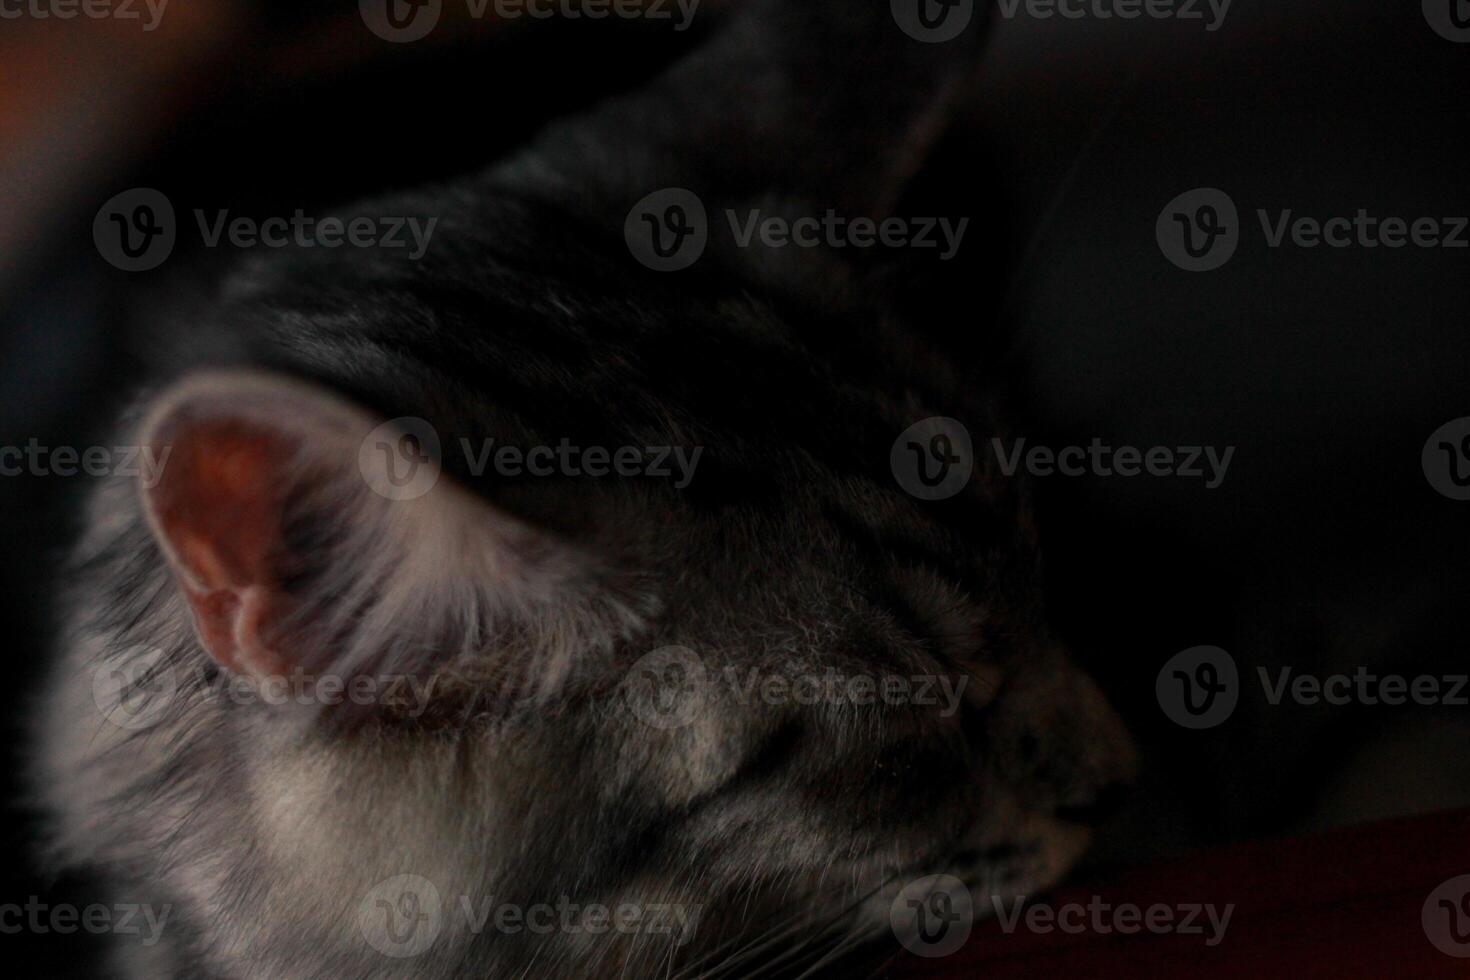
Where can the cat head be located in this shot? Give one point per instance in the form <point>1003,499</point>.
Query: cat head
<point>523,611</point>
<point>406,707</point>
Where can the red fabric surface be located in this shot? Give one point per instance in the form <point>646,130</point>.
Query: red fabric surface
<point>1342,904</point>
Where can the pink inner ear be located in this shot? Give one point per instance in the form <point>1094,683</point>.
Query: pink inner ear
<point>219,510</point>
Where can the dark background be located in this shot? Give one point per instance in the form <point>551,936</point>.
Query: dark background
<point>1327,369</point>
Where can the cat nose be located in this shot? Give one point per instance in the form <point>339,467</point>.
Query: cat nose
<point>1100,809</point>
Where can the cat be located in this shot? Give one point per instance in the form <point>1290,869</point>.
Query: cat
<point>338,697</point>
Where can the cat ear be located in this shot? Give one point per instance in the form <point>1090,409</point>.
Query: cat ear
<point>796,106</point>
<point>305,534</point>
